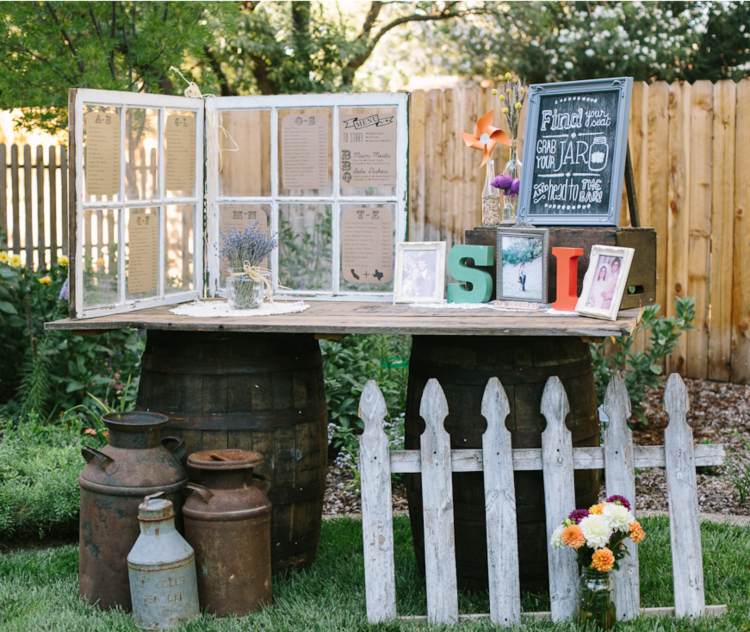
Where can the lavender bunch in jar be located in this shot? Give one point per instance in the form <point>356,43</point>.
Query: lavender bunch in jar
<point>246,252</point>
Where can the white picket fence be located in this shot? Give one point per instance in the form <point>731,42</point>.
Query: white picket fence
<point>557,459</point>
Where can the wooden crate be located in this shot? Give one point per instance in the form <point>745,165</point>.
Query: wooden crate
<point>641,288</point>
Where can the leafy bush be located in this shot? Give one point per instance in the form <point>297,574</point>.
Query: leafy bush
<point>641,369</point>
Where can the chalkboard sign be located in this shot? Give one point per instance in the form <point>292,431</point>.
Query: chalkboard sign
<point>574,152</point>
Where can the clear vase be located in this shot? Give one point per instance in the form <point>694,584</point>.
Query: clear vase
<point>595,604</point>
<point>244,292</point>
<point>513,170</point>
<point>490,198</point>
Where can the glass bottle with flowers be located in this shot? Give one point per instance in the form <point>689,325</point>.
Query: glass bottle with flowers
<point>511,95</point>
<point>598,535</point>
<point>249,282</point>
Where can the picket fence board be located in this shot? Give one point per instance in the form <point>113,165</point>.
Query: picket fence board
<point>619,478</point>
<point>684,525</point>
<point>500,509</point>
<point>437,501</point>
<point>377,507</point>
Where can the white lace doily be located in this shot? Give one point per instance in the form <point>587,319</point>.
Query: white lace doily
<point>214,309</point>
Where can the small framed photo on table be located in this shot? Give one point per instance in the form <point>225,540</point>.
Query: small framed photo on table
<point>420,272</point>
<point>605,281</point>
<point>521,261</point>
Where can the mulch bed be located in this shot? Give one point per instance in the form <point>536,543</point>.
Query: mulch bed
<point>719,413</point>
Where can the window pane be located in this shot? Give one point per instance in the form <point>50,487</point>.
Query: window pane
<point>180,240</point>
<point>305,246</point>
<point>368,151</point>
<point>141,252</point>
<point>239,217</point>
<point>367,247</point>
<point>101,153</point>
<point>141,169</point>
<point>305,159</point>
<point>99,256</point>
<point>179,153</point>
<point>245,153</point>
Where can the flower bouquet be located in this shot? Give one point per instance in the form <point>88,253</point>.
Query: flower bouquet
<point>245,251</point>
<point>598,536</point>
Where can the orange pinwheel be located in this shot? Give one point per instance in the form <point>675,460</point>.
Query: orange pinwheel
<point>486,136</point>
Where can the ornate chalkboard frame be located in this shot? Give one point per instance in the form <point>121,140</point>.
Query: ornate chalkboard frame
<point>536,91</point>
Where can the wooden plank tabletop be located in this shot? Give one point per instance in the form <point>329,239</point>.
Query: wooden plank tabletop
<point>349,317</point>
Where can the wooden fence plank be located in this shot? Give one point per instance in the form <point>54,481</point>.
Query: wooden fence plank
<point>741,276</point>
<point>684,526</point>
<point>437,501</point>
<point>15,198</point>
<point>619,472</point>
<point>500,509</point>
<point>53,209</point>
<point>41,210</point>
<point>559,498</point>
<point>28,235</point>
<point>722,230</point>
<point>3,198</point>
<point>377,507</point>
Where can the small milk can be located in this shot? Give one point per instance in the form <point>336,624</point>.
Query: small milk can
<point>113,483</point>
<point>228,523</point>
<point>161,567</point>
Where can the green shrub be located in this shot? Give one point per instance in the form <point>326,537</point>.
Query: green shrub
<point>641,369</point>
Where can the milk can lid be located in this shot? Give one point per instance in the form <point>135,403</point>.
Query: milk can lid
<point>226,459</point>
<point>154,508</point>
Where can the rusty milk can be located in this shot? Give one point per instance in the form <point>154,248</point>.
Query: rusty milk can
<point>161,567</point>
<point>228,522</point>
<point>114,481</point>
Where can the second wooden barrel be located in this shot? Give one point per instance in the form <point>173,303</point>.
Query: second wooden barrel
<point>258,392</point>
<point>462,365</point>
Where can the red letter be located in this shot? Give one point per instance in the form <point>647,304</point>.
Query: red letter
<point>567,278</point>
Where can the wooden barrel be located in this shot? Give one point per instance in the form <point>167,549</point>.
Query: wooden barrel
<point>462,365</point>
<point>258,392</point>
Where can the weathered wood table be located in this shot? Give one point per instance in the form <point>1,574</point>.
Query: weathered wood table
<point>257,383</point>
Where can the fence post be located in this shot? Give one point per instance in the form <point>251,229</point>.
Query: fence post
<point>559,498</point>
<point>500,508</point>
<point>684,525</point>
<point>28,240</point>
<point>620,479</point>
<point>377,511</point>
<point>437,501</point>
<point>41,238</point>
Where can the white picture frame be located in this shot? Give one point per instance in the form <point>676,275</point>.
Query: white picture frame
<point>525,281</point>
<point>419,276</point>
<point>605,281</point>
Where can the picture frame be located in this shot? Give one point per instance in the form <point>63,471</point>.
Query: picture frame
<point>419,275</point>
<point>568,125</point>
<point>522,264</point>
<point>605,281</point>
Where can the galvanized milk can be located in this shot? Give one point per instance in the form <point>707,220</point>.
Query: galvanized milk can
<point>161,567</point>
<point>228,523</point>
<point>113,483</point>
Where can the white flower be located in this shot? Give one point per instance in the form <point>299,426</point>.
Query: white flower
<point>619,516</point>
<point>597,530</point>
<point>556,539</point>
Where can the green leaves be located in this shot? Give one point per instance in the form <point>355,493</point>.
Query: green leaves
<point>7,308</point>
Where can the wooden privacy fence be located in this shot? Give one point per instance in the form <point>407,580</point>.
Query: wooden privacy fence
<point>557,459</point>
<point>690,147</point>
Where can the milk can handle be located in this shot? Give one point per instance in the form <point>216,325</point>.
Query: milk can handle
<point>262,482</point>
<point>204,493</point>
<point>98,458</point>
<point>176,445</point>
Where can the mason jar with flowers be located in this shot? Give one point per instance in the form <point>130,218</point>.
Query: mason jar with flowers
<point>249,280</point>
<point>598,535</point>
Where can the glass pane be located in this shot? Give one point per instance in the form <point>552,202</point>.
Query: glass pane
<point>305,159</point>
<point>239,217</point>
<point>101,153</point>
<point>305,246</point>
<point>367,247</point>
<point>368,151</point>
<point>179,153</point>
<point>141,165</point>
<point>141,252</point>
<point>99,257</point>
<point>180,243</point>
<point>245,155</point>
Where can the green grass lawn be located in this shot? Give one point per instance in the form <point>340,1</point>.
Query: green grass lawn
<point>39,588</point>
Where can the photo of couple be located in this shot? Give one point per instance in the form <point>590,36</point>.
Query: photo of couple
<point>605,282</point>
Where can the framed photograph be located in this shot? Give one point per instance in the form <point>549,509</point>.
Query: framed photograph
<point>521,262</point>
<point>605,281</point>
<point>420,272</point>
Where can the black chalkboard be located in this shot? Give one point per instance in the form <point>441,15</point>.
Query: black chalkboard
<point>574,152</point>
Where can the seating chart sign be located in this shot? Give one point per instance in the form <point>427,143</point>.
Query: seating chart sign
<point>574,152</point>
<point>305,148</point>
<point>179,153</point>
<point>143,248</point>
<point>102,153</point>
<point>368,151</point>
<point>367,244</point>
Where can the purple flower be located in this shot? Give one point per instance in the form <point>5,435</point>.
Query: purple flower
<point>578,514</point>
<point>502,182</point>
<point>619,499</point>
<point>64,294</point>
<point>515,186</point>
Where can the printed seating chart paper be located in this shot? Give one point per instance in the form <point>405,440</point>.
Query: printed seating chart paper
<point>367,244</point>
<point>305,148</point>
<point>143,250</point>
<point>368,151</point>
<point>102,155</point>
<point>179,153</point>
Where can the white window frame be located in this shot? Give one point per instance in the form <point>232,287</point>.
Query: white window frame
<point>216,105</point>
<point>125,100</point>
